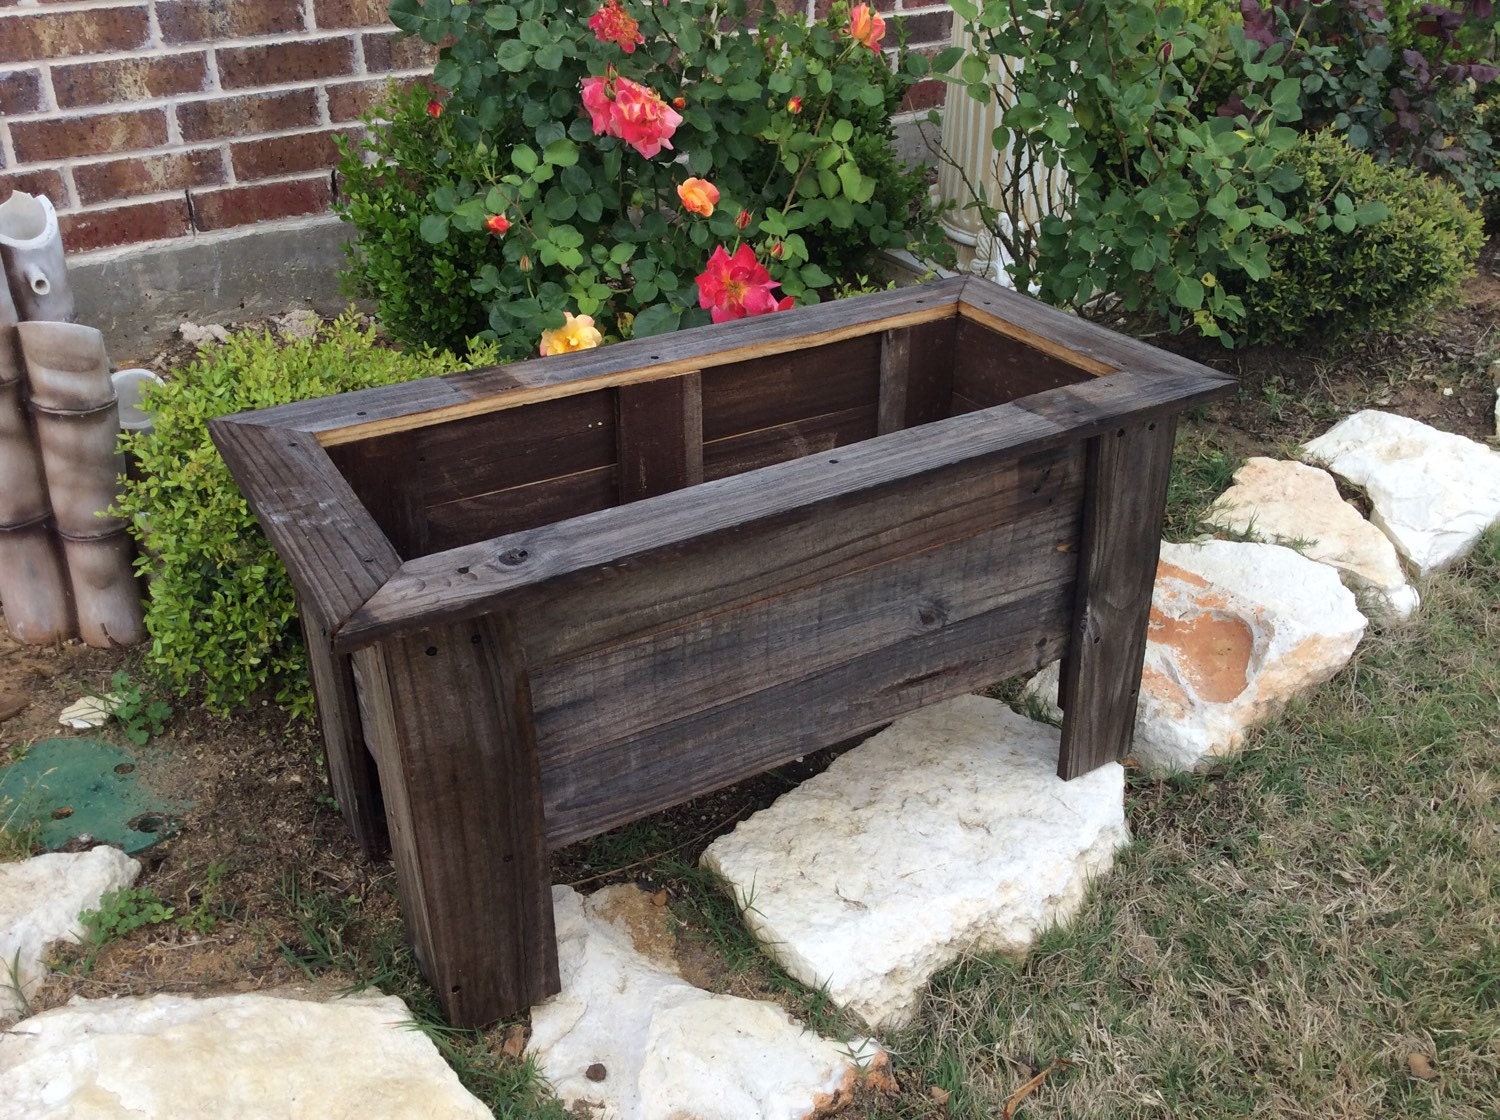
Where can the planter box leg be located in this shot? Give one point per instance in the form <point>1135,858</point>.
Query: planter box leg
<point>447,712</point>
<point>351,770</point>
<point>1125,491</point>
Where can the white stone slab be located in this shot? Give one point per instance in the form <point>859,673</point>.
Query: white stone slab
<point>1283,502</point>
<point>1236,630</point>
<point>40,900</point>
<point>1432,492</point>
<point>947,832</point>
<point>629,1039</point>
<point>241,1057</point>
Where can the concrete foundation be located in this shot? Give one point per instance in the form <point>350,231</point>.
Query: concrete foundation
<point>137,295</point>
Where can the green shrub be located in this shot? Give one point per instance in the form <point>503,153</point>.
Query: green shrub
<point>557,160</point>
<point>1338,279</point>
<point>424,292</point>
<point>222,615</point>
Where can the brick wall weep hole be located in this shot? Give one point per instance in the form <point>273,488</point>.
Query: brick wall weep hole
<point>152,119</point>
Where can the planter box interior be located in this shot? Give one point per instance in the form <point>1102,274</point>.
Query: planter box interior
<point>546,599</point>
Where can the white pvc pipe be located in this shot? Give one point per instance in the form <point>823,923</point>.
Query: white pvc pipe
<point>32,251</point>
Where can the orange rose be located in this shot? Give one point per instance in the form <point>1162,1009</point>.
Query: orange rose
<point>698,197</point>
<point>865,26</point>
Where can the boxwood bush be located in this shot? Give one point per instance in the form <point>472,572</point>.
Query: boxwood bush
<point>1340,279</point>
<point>221,614</point>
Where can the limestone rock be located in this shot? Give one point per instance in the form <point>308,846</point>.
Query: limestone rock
<point>300,324</point>
<point>1284,502</point>
<point>1236,630</point>
<point>241,1057</point>
<point>196,335</point>
<point>40,900</point>
<point>629,1038</point>
<point>90,711</point>
<point>1433,493</point>
<point>946,833</point>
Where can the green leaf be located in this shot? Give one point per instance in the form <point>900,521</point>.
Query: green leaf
<point>447,73</point>
<point>523,159</point>
<point>842,132</point>
<point>560,205</point>
<point>502,17</point>
<point>513,55</point>
<point>534,34</point>
<point>561,153</point>
<point>947,59</point>
<point>550,57</point>
<point>814,277</point>
<point>434,229</point>
<point>659,318</point>
<point>973,70</point>
<point>622,252</point>
<point>1190,292</point>
<point>590,207</point>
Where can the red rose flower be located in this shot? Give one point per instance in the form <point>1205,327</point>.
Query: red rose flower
<point>434,108</point>
<point>631,111</point>
<point>737,287</point>
<point>497,224</point>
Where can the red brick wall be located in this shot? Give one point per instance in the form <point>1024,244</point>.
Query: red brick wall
<point>153,119</point>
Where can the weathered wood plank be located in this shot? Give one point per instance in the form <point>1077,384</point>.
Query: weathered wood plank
<point>568,619</point>
<point>587,547</point>
<point>414,404</point>
<point>992,370</point>
<point>895,375</point>
<point>624,690</point>
<point>1067,336</point>
<point>390,487</point>
<point>592,792</point>
<point>785,388</point>
<point>334,551</point>
<point>448,713</point>
<point>813,436</point>
<point>659,431</point>
<point>455,524</point>
<point>498,450</point>
<point>1124,497</point>
<point>352,774</point>
<point>929,382</point>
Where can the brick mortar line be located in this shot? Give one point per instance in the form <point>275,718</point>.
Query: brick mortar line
<point>185,148</point>
<point>68,7</point>
<point>153,51</point>
<point>170,100</point>
<point>177,193</point>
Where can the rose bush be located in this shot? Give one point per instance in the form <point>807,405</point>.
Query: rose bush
<point>604,153</point>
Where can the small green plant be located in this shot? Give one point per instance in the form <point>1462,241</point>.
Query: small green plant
<point>222,614</point>
<point>210,905</point>
<point>140,717</point>
<point>1340,279</point>
<point>120,913</point>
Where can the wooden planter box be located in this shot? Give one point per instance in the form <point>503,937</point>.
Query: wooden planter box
<point>545,599</point>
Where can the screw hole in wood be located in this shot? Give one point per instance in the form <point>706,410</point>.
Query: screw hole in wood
<point>432,651</point>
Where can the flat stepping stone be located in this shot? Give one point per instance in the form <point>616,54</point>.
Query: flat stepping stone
<point>628,1038</point>
<point>1433,493</point>
<point>40,900</point>
<point>1299,506</point>
<point>947,833</point>
<point>241,1057</point>
<point>1237,629</point>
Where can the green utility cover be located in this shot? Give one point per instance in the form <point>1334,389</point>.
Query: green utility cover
<point>77,787</point>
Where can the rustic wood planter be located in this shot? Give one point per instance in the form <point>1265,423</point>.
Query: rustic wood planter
<point>546,599</point>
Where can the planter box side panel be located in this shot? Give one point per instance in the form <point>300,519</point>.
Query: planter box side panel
<point>991,369</point>
<point>739,653</point>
